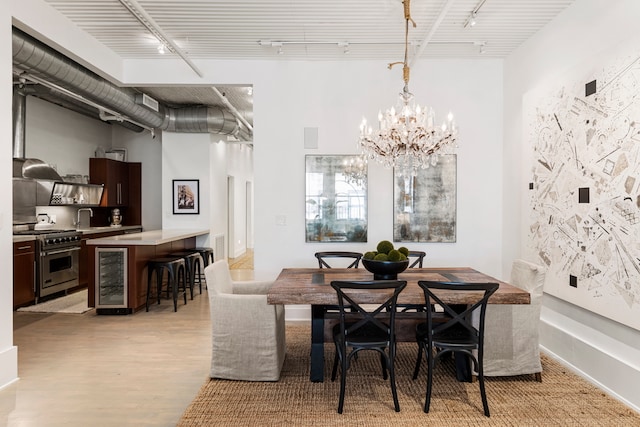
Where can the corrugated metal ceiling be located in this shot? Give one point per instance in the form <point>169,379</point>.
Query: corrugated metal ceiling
<point>307,30</point>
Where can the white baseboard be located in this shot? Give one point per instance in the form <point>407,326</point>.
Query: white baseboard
<point>607,363</point>
<point>8,366</point>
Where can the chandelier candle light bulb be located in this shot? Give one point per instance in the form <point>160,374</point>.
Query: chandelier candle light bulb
<point>407,139</point>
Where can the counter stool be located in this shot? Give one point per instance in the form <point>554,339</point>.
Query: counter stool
<point>176,276</point>
<point>192,262</point>
<point>206,254</point>
<point>207,258</point>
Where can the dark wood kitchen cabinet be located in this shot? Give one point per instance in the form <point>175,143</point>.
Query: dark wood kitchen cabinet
<point>24,273</point>
<point>114,175</point>
<point>122,189</point>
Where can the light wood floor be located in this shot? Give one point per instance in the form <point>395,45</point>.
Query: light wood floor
<point>87,370</point>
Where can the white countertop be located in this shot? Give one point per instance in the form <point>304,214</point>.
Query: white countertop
<point>107,229</point>
<point>147,238</point>
<point>85,232</point>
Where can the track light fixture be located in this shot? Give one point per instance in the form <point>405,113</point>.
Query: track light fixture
<point>148,22</point>
<point>471,20</point>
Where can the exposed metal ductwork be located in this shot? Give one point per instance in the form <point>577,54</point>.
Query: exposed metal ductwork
<point>22,167</point>
<point>33,59</point>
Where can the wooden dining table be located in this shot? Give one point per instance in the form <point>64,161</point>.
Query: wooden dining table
<point>312,286</point>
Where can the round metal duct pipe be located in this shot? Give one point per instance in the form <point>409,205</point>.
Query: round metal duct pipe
<point>37,59</point>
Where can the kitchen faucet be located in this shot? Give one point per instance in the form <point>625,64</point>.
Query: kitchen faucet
<point>80,210</point>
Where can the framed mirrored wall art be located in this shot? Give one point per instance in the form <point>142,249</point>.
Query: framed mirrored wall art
<point>336,198</point>
<point>424,208</point>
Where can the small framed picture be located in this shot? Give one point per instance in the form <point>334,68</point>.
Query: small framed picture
<point>186,196</point>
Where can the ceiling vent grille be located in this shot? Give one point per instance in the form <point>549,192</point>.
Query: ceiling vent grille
<point>148,102</point>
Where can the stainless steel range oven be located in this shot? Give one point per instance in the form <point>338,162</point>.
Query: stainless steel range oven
<point>57,254</point>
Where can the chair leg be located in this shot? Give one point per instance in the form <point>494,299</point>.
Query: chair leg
<point>174,286</point>
<point>538,376</point>
<point>159,278</point>
<point>184,283</point>
<point>196,263</point>
<point>392,380</point>
<point>336,359</point>
<point>483,394</point>
<point>189,276</point>
<point>416,370</point>
<point>431,363</point>
<point>343,381</point>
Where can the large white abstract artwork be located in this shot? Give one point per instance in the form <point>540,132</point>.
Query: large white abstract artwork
<point>585,184</point>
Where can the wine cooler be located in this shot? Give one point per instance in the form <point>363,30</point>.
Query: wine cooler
<point>111,281</point>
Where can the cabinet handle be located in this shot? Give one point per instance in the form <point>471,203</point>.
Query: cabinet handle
<point>119,194</point>
<point>24,247</point>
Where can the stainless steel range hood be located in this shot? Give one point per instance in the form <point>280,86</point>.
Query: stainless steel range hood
<point>34,169</point>
<point>22,167</point>
<point>34,180</point>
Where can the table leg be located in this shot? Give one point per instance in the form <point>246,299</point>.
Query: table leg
<point>317,343</point>
<point>463,367</point>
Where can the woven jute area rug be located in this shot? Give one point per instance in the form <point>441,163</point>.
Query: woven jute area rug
<point>562,399</point>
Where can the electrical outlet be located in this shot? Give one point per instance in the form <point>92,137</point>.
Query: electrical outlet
<point>281,220</point>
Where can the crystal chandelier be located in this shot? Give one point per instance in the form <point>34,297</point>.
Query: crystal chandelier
<point>406,136</point>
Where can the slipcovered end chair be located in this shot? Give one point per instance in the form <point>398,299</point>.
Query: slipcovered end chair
<point>511,333</point>
<point>248,335</point>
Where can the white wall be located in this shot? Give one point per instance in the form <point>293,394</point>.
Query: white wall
<point>185,156</point>
<point>8,352</point>
<point>206,158</point>
<point>239,165</point>
<point>603,350</point>
<point>333,97</point>
<point>63,138</point>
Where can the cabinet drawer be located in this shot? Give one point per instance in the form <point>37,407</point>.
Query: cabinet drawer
<point>20,248</point>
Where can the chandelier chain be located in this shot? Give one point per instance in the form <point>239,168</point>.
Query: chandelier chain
<point>407,136</point>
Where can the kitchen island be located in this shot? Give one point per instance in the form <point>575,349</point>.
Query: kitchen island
<point>134,251</point>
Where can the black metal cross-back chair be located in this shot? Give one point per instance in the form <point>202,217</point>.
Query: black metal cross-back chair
<point>416,258</point>
<point>323,256</point>
<point>366,326</point>
<point>456,333</point>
